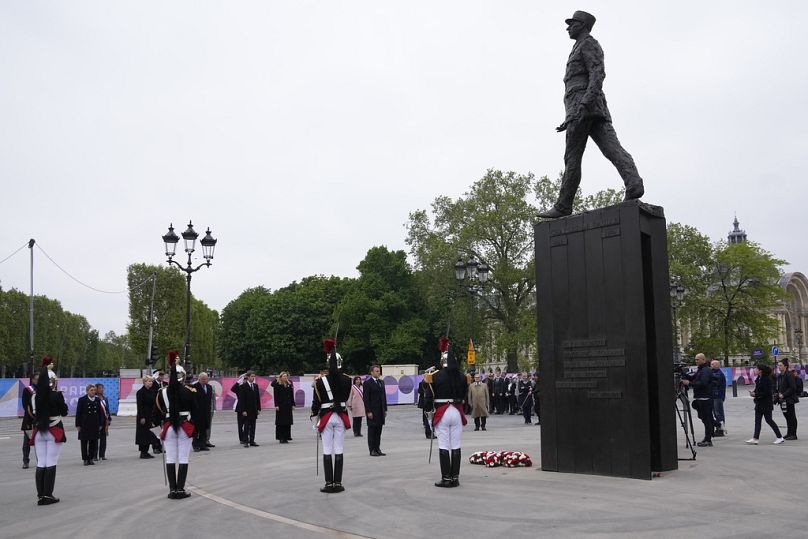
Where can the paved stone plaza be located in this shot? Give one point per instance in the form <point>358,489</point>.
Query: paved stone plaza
<point>731,490</point>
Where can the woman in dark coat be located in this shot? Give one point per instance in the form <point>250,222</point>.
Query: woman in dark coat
<point>144,437</point>
<point>284,395</point>
<point>764,389</point>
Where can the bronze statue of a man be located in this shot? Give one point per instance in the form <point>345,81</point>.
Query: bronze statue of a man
<point>588,116</point>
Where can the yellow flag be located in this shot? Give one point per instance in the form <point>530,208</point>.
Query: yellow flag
<point>471,359</point>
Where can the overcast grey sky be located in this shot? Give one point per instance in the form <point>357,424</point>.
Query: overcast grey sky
<point>304,132</point>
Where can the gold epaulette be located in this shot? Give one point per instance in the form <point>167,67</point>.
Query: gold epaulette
<point>190,388</point>
<point>428,378</point>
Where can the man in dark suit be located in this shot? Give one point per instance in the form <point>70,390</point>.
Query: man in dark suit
<point>27,419</point>
<point>107,419</point>
<point>204,394</point>
<point>376,409</point>
<point>89,421</point>
<point>787,398</point>
<point>249,407</point>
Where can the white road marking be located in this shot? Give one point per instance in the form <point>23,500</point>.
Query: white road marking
<point>277,518</point>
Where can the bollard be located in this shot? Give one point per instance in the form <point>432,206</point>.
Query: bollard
<point>735,388</point>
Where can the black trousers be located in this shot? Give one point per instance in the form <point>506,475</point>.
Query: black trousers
<point>26,447</point>
<point>791,419</point>
<point>769,421</point>
<point>249,429</point>
<point>200,436</point>
<point>283,432</point>
<point>527,409</point>
<point>374,437</point>
<point>88,449</point>
<point>357,425</point>
<point>425,421</point>
<point>101,450</point>
<point>240,421</point>
<point>704,408</point>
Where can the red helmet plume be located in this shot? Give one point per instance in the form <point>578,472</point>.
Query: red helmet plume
<point>46,361</point>
<point>172,357</point>
<point>443,344</point>
<point>328,345</point>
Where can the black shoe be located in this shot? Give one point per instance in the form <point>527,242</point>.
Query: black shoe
<point>157,451</point>
<point>209,445</point>
<point>246,445</point>
<point>172,495</point>
<point>95,459</point>
<point>380,453</point>
<point>375,453</point>
<point>48,500</point>
<point>337,487</point>
<point>553,213</point>
<point>705,443</point>
<point>203,449</point>
<point>476,428</point>
<point>790,437</point>
<point>180,494</point>
<point>25,466</point>
<point>357,435</point>
<point>196,450</point>
<point>284,441</point>
<point>146,456</point>
<point>328,488</point>
<point>718,433</point>
<point>253,444</point>
<point>103,458</point>
<point>445,482</point>
<point>483,428</point>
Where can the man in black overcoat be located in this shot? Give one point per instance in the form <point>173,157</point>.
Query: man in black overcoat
<point>375,409</point>
<point>89,422</point>
<point>27,419</point>
<point>204,394</point>
<point>787,398</point>
<point>249,407</point>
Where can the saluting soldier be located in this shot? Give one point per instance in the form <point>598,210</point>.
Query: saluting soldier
<point>450,387</point>
<point>331,390</point>
<point>176,403</point>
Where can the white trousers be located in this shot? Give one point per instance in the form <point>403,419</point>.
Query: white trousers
<point>449,429</point>
<point>333,435</point>
<point>177,446</point>
<point>47,450</point>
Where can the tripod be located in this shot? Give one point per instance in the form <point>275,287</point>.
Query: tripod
<point>685,419</point>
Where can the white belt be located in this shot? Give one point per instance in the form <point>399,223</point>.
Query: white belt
<point>182,414</point>
<point>328,405</point>
<point>443,401</point>
<point>55,420</point>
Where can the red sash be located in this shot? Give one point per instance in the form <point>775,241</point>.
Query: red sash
<point>57,432</point>
<point>186,425</point>
<point>324,420</point>
<point>443,407</point>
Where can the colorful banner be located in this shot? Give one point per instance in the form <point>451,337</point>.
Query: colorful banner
<point>72,388</point>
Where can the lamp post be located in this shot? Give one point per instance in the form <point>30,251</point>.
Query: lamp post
<point>189,240</point>
<point>677,296</point>
<point>472,275</point>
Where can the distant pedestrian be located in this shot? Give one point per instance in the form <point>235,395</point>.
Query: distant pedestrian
<point>787,398</point>
<point>536,400</point>
<point>249,407</point>
<point>356,403</point>
<point>426,402</point>
<point>478,399</point>
<point>702,383</point>
<point>28,393</point>
<point>719,394</point>
<point>764,390</point>
<point>101,452</point>
<point>89,422</point>
<point>799,384</point>
<point>284,395</point>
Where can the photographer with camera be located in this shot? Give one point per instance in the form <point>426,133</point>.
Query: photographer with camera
<point>702,383</point>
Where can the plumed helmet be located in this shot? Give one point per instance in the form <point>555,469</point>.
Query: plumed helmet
<point>451,361</point>
<point>180,372</point>
<point>334,359</point>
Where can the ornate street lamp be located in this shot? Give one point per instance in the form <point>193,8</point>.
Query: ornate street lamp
<point>472,275</point>
<point>189,240</point>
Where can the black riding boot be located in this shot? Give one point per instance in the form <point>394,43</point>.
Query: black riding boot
<point>49,482</point>
<point>171,472</point>
<point>445,469</point>
<point>455,467</point>
<point>182,473</point>
<point>328,469</point>
<point>40,484</point>
<point>338,473</point>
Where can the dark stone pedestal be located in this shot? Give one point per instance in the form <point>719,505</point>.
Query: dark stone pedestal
<point>605,343</point>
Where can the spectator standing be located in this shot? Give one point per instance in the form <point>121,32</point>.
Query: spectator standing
<point>249,407</point>
<point>764,389</point>
<point>375,398</point>
<point>500,390</point>
<point>787,397</point>
<point>799,383</point>
<point>107,419</point>
<point>719,394</point>
<point>144,437</point>
<point>239,418</point>
<point>89,420</point>
<point>356,403</point>
<point>525,397</point>
<point>284,394</point>
<point>479,400</point>
<point>702,383</point>
<point>28,393</point>
<point>204,395</point>
<point>536,400</point>
<point>512,383</point>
